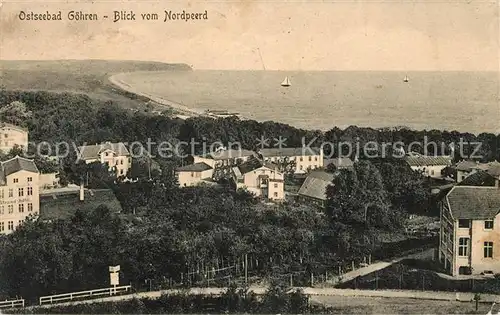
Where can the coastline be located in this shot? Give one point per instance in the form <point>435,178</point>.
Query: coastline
<point>184,111</point>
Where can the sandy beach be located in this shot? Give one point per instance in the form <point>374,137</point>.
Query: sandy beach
<point>184,111</point>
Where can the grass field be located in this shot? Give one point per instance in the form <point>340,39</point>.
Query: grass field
<point>78,76</point>
<point>372,305</point>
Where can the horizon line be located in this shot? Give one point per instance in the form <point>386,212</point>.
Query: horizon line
<point>251,69</point>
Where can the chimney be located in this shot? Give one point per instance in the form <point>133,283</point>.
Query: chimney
<point>82,193</point>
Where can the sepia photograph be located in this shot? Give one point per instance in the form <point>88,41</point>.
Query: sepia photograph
<point>250,157</point>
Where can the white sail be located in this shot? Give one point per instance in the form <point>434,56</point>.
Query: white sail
<point>406,79</point>
<point>286,82</point>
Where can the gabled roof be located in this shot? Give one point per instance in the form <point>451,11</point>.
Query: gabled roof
<point>315,184</point>
<point>270,152</point>
<point>17,164</point>
<point>339,162</point>
<point>425,160</point>
<point>196,167</point>
<point>474,203</point>
<point>253,164</point>
<point>465,165</point>
<point>479,178</point>
<point>93,151</point>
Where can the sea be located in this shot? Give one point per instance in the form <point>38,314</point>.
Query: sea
<point>462,101</point>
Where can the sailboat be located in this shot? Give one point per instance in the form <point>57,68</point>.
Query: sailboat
<point>406,79</point>
<point>286,82</point>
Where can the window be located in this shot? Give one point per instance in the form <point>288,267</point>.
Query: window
<point>301,167</point>
<point>11,192</point>
<point>432,172</point>
<point>2,209</point>
<point>10,208</point>
<point>30,191</point>
<point>30,207</point>
<point>2,227</point>
<point>1,193</point>
<point>301,159</point>
<point>20,222</point>
<point>21,192</point>
<point>276,195</point>
<point>310,158</point>
<point>6,135</point>
<point>463,246</point>
<point>106,154</point>
<point>10,225</point>
<point>192,174</point>
<point>121,162</point>
<point>488,249</point>
<point>488,224</point>
<point>30,179</point>
<point>121,172</point>
<point>463,223</point>
<point>275,185</point>
<point>21,207</point>
<point>16,180</point>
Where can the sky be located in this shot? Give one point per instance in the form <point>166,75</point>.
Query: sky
<point>388,35</point>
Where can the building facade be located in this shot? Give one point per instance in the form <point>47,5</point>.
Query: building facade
<point>11,135</point>
<point>194,174</point>
<point>224,157</point>
<point>469,241</point>
<point>19,192</point>
<point>260,178</point>
<point>303,159</point>
<point>430,166</point>
<point>115,155</point>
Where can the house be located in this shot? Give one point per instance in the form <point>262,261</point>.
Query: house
<point>313,190</point>
<point>12,135</point>
<point>430,166</point>
<point>261,178</point>
<point>478,178</point>
<point>304,158</point>
<point>194,174</point>
<point>464,168</point>
<point>63,203</point>
<point>470,230</point>
<point>339,163</point>
<point>224,157</point>
<point>19,192</point>
<point>115,155</point>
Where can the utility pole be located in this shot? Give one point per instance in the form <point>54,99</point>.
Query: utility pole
<point>246,268</point>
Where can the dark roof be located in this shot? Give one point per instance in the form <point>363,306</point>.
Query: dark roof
<point>17,164</point>
<point>339,162</point>
<point>196,167</point>
<point>424,160</point>
<point>479,178</point>
<point>465,165</point>
<point>474,203</point>
<point>253,164</point>
<point>65,205</point>
<point>93,151</point>
<point>315,184</point>
<point>269,152</point>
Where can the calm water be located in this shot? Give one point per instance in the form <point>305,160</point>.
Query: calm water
<point>464,101</point>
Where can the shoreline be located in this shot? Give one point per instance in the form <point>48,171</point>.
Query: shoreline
<point>182,109</point>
